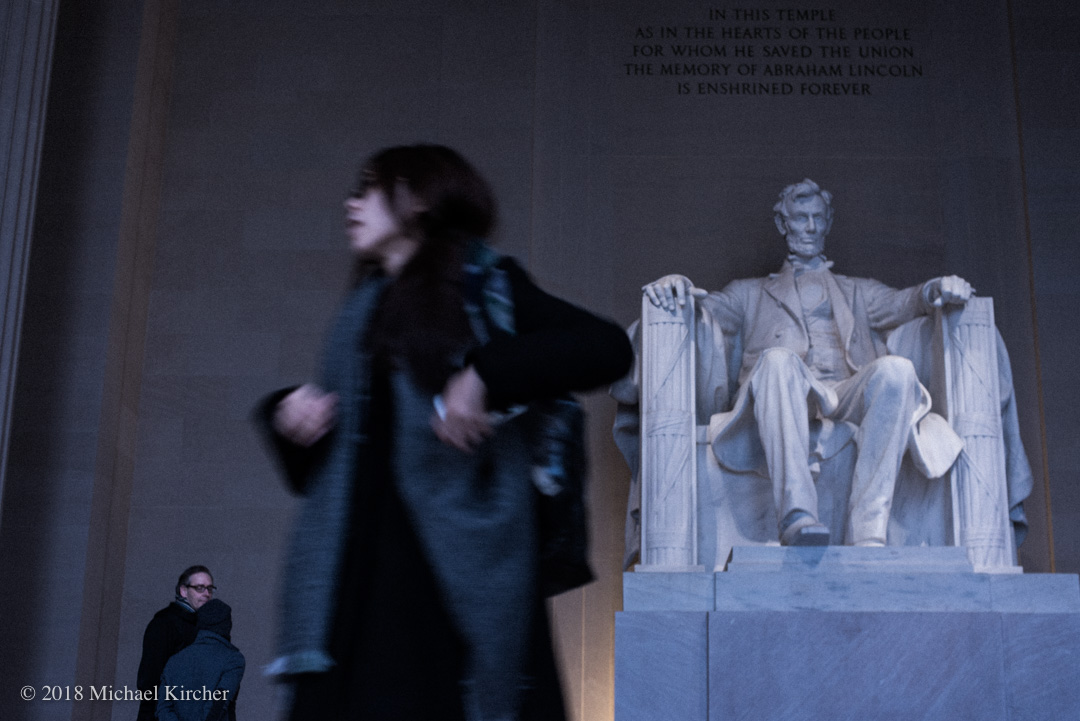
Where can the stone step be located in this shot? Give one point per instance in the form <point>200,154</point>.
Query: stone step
<point>890,559</point>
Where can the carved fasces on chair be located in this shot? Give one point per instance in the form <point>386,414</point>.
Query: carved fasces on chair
<point>969,397</point>
<point>668,443</point>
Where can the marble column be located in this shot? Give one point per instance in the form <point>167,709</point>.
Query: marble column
<point>28,29</point>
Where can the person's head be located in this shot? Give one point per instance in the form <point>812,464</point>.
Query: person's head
<point>195,586</point>
<point>416,200</point>
<point>414,214</point>
<point>803,215</point>
<point>216,616</point>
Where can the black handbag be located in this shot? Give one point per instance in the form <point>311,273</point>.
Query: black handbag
<point>556,436</point>
<point>555,433</point>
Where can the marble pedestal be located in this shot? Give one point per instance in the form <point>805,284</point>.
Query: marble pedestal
<point>801,634</point>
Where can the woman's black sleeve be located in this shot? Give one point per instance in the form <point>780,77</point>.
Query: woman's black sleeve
<point>294,460</point>
<point>557,348</point>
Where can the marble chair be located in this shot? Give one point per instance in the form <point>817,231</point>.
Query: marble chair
<point>687,512</point>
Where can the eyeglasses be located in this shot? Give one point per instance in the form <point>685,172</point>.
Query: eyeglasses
<point>201,588</point>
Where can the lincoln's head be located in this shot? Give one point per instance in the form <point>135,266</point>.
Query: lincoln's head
<point>804,216</point>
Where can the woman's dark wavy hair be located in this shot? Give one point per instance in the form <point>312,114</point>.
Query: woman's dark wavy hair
<point>422,318</point>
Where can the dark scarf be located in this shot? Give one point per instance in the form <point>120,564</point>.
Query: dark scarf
<point>182,603</point>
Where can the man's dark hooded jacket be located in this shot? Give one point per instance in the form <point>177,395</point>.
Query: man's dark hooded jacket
<point>208,671</point>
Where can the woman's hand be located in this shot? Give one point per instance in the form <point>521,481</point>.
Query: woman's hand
<point>306,415</point>
<point>461,418</point>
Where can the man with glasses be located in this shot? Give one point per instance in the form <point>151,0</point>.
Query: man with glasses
<point>171,629</point>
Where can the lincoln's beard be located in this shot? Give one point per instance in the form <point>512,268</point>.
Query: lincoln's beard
<point>806,247</point>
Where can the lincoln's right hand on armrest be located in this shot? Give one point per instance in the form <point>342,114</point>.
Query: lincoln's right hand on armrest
<point>671,291</point>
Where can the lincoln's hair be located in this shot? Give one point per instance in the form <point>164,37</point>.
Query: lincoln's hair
<point>806,189</point>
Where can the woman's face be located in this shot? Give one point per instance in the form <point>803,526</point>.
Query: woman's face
<point>370,224</point>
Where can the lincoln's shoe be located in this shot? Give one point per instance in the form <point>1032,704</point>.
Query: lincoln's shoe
<point>805,531</point>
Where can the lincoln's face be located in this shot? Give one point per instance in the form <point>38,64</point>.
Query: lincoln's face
<point>805,223</point>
